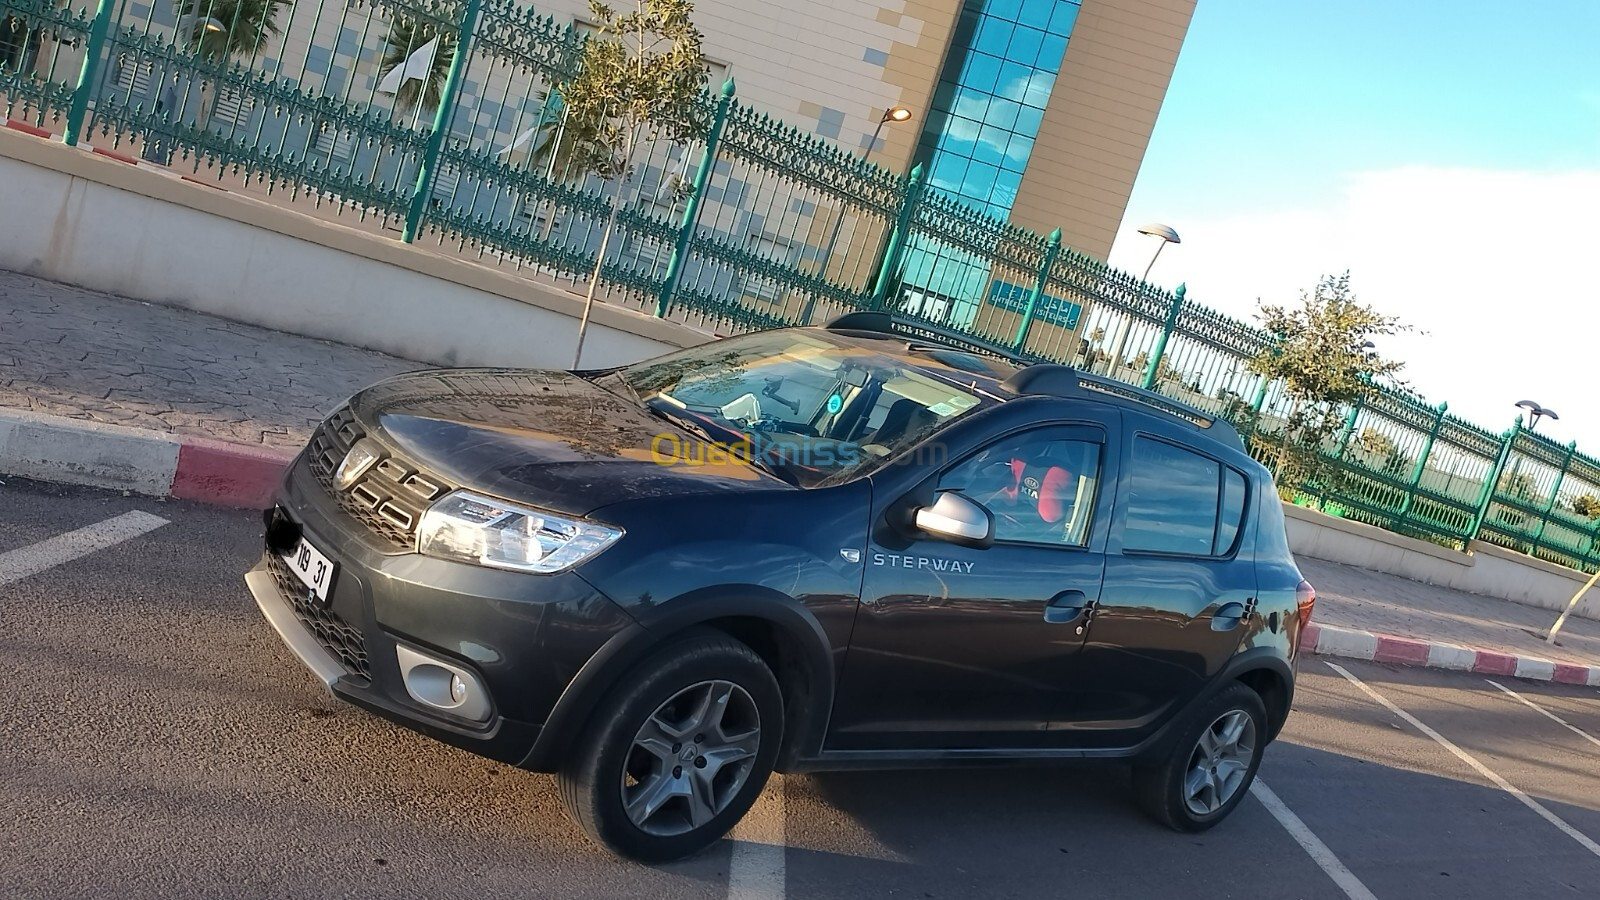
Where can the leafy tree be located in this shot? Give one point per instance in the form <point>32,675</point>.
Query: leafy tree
<point>639,70</point>
<point>1324,359</point>
<point>1587,506</point>
<point>406,36</point>
<point>237,29</point>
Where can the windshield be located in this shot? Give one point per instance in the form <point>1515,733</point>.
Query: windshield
<point>798,404</point>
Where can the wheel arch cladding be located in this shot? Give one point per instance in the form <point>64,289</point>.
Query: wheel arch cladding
<point>1273,689</point>
<point>777,627</point>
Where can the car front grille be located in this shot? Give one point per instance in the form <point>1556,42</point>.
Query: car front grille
<point>337,636</point>
<point>389,498</point>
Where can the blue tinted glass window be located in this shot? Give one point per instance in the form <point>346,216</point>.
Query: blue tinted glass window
<point>1036,13</point>
<point>1173,500</point>
<point>949,172</point>
<point>992,143</point>
<point>1015,77</point>
<point>1051,49</point>
<point>1017,152</point>
<point>981,72</point>
<point>971,104</point>
<point>994,36</point>
<point>1029,119</point>
<point>1025,45</point>
<point>1003,113</point>
<point>1232,511</point>
<point>1063,17</point>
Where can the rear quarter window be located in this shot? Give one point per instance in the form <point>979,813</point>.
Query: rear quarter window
<point>1181,502</point>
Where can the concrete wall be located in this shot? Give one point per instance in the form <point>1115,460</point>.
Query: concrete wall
<point>1487,570</point>
<point>139,232</point>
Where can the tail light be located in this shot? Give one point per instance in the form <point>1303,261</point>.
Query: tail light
<point>1305,599</point>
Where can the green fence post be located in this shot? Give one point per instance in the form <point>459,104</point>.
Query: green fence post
<point>691,209</point>
<point>1486,495</point>
<point>1420,466</point>
<point>79,110</point>
<point>1349,429</point>
<point>1161,339</point>
<point>1544,517</point>
<point>895,253</point>
<point>441,121</point>
<point>1051,251</point>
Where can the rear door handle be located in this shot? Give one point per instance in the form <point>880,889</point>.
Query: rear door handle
<point>1067,606</point>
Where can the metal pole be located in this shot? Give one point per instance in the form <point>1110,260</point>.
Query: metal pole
<point>79,110</point>
<point>1051,251</point>
<point>893,254</point>
<point>691,209</point>
<point>1167,328</point>
<point>1571,604</point>
<point>1153,258</point>
<point>441,121</point>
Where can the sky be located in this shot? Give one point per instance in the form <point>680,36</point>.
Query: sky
<point>1446,154</point>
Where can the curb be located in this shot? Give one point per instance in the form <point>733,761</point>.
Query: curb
<point>1350,643</point>
<point>75,451</point>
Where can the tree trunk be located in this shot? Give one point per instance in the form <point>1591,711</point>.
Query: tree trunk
<point>605,241</point>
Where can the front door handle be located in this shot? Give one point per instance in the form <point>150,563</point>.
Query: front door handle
<point>1067,606</point>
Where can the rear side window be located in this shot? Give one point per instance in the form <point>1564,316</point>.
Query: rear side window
<point>1180,502</point>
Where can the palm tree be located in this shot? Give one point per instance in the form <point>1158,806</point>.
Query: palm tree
<point>230,29</point>
<point>406,36</point>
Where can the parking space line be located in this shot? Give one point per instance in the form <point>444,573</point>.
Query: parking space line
<point>756,871</point>
<point>1472,761</point>
<point>1544,712</point>
<point>1313,845</point>
<point>23,562</point>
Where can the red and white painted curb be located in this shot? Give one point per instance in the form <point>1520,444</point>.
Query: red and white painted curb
<point>1331,640</point>
<point>36,131</point>
<point>156,464</point>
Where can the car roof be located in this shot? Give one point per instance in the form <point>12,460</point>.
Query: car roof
<point>1009,375</point>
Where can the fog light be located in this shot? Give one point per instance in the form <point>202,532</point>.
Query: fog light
<point>442,685</point>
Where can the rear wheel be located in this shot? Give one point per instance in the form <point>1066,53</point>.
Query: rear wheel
<point>679,752</point>
<point>1212,763</point>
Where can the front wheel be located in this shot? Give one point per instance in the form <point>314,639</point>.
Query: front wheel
<point>679,753</point>
<point>1212,763</point>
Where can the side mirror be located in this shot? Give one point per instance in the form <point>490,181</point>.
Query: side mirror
<point>954,518</point>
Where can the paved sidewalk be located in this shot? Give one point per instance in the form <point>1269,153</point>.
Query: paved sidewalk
<point>85,356</point>
<point>69,352</point>
<point>1348,597</point>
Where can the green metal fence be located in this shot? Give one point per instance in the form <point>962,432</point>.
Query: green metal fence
<point>437,121</point>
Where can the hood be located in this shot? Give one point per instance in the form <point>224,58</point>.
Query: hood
<point>547,439</point>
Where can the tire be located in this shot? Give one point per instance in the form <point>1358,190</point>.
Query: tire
<point>639,751</point>
<point>1165,790</point>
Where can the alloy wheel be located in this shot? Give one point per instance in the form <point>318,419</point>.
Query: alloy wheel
<point>1220,762</point>
<point>690,758</point>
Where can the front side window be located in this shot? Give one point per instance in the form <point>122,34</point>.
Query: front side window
<point>1040,488</point>
<point>1180,502</point>
<point>817,409</point>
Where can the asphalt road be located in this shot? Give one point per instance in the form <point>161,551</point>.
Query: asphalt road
<point>156,741</point>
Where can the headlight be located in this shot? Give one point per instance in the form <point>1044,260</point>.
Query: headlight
<point>478,529</point>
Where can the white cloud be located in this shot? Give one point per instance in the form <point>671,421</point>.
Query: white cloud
<point>1502,268</point>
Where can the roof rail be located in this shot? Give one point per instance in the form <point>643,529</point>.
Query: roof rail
<point>1034,377</point>
<point>879,322</point>
<point>1054,380</point>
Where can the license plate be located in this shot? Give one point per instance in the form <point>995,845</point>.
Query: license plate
<point>311,567</point>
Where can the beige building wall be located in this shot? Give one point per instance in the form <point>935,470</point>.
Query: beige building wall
<point>830,67</point>
<point>1119,62</point>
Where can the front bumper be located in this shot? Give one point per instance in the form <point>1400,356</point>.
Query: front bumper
<point>525,637</point>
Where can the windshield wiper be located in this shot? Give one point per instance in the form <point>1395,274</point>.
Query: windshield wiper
<point>701,431</point>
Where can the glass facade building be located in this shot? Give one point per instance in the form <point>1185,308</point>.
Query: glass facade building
<point>993,88</point>
<point>996,81</point>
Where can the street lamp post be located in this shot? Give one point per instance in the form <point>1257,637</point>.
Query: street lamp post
<point>1168,236</point>
<point>1535,413</point>
<point>892,114</point>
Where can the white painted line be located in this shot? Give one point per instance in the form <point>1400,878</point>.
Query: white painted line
<point>756,870</point>
<point>1472,761</point>
<point>1546,713</point>
<point>23,562</point>
<point>1313,845</point>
